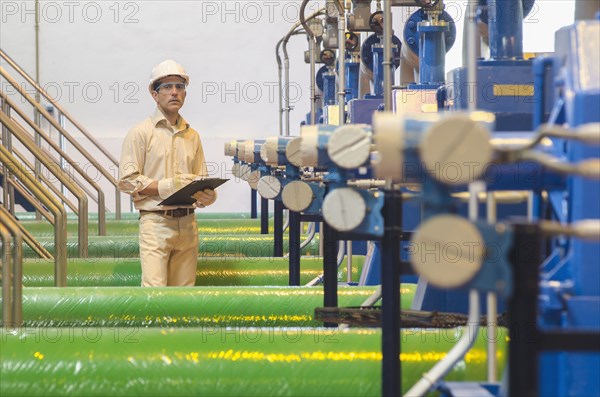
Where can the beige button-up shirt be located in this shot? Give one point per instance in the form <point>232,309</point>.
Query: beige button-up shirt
<point>155,150</point>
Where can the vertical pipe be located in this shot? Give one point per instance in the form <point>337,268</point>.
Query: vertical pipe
<point>330,283</point>
<point>321,239</point>
<point>329,94</point>
<point>492,304</point>
<point>505,21</point>
<point>313,96</point>
<point>387,55</point>
<point>352,77</point>
<point>286,87</point>
<point>432,53</point>
<point>531,205</point>
<point>264,216</point>
<point>294,248</point>
<point>342,65</point>
<point>349,261</point>
<point>390,293</point>
<point>278,230</point>
<point>378,71</point>
<point>525,258</point>
<point>472,36</point>
<point>280,86</point>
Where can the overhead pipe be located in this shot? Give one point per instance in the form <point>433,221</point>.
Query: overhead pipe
<point>312,40</point>
<point>286,38</point>
<point>280,84</point>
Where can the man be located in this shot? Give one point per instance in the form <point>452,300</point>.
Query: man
<point>160,156</point>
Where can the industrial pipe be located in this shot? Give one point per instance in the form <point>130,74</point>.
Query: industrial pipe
<point>228,271</point>
<point>217,361</point>
<point>131,227</point>
<point>210,245</point>
<point>185,307</point>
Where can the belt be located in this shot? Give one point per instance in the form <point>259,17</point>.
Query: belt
<point>176,213</point>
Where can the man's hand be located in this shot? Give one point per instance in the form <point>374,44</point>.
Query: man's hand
<point>166,187</point>
<point>205,198</point>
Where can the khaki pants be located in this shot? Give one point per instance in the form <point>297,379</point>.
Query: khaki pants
<point>168,250</point>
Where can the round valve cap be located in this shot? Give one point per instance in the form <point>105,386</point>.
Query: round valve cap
<point>447,251</point>
<point>297,196</point>
<point>268,187</point>
<point>457,149</point>
<point>253,178</point>
<point>293,152</point>
<point>344,209</point>
<point>349,146</point>
<point>245,171</point>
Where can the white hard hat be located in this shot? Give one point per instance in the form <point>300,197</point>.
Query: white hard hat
<point>167,68</point>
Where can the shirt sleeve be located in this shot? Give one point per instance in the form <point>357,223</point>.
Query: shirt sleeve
<point>131,166</point>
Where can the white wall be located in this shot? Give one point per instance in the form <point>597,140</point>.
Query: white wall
<point>96,56</point>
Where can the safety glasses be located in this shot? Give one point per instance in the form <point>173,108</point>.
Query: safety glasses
<point>168,87</point>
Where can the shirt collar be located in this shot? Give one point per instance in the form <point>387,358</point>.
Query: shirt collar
<point>158,116</point>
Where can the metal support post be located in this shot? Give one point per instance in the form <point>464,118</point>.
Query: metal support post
<point>294,249</point>
<point>264,216</point>
<point>523,351</point>
<point>278,230</point>
<point>390,294</point>
<point>330,283</point>
<point>253,204</point>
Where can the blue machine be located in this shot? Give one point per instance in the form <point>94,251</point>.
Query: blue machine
<point>505,81</point>
<point>430,37</point>
<point>360,110</point>
<point>571,288</point>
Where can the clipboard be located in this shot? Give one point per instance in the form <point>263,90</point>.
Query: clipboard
<point>184,195</point>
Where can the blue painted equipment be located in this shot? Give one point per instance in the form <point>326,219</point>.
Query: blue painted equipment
<point>430,36</point>
<point>571,290</point>
<point>372,58</point>
<point>505,82</point>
